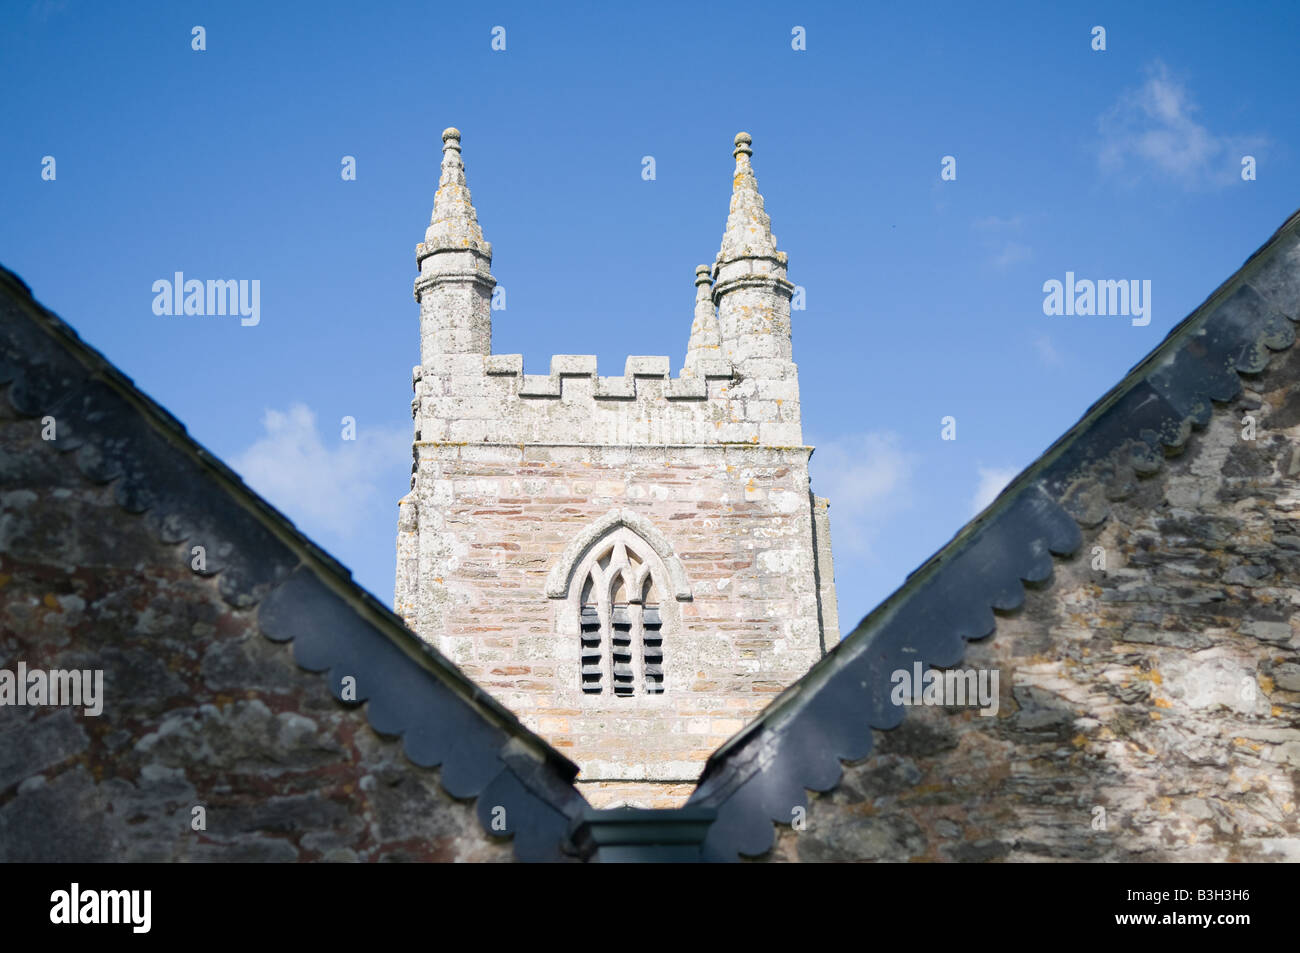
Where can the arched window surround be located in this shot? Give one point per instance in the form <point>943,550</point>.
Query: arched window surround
<point>560,579</point>
<point>620,582</point>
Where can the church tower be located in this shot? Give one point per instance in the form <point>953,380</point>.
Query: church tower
<point>634,564</point>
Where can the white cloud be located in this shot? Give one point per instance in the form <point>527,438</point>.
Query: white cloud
<point>1004,251</point>
<point>1151,130</point>
<point>991,483</point>
<point>866,479</point>
<point>322,485</point>
<point>1047,352</point>
<point>1010,253</point>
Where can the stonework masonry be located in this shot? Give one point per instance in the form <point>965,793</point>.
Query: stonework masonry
<point>702,478</point>
<point>200,709</point>
<point>1150,707</point>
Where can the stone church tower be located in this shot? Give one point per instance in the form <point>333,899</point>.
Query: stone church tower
<point>633,564</point>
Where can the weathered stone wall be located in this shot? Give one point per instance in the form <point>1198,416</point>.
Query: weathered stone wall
<point>493,523</point>
<point>1164,689</point>
<point>200,709</point>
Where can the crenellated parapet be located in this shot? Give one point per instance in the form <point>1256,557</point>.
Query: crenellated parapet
<point>489,398</point>
<point>574,367</point>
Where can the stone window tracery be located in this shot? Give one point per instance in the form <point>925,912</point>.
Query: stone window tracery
<point>620,621</point>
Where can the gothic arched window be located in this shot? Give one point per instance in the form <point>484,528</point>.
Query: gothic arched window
<point>620,621</point>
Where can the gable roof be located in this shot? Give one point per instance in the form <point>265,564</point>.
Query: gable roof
<point>829,715</point>
<point>302,595</point>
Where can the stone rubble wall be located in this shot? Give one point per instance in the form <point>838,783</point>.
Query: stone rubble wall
<point>200,709</point>
<point>1162,690</point>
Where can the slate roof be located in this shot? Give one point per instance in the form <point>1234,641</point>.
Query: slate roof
<point>828,716</point>
<point>301,594</point>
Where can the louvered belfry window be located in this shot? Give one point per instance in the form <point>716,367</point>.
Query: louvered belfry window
<point>620,622</point>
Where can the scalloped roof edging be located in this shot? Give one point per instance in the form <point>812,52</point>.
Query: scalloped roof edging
<point>302,595</point>
<point>799,741</point>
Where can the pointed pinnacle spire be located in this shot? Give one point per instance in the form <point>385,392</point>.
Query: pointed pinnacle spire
<point>454,225</point>
<point>749,229</point>
<point>705,339</point>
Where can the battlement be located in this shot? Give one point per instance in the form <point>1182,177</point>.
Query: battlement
<point>574,366</point>
<point>488,398</point>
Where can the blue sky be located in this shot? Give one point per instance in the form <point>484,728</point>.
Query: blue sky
<point>925,297</point>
